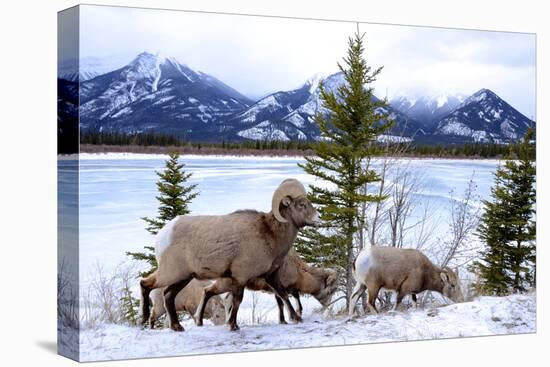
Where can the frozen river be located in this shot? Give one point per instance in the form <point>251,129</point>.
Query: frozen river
<point>117,190</point>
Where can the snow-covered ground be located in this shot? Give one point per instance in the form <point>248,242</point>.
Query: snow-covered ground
<point>484,316</point>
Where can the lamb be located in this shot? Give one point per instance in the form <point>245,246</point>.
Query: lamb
<point>406,271</point>
<point>187,300</point>
<point>296,277</point>
<point>235,248</point>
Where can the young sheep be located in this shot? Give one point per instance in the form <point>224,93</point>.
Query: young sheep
<point>296,277</point>
<point>235,248</point>
<point>406,271</point>
<point>187,300</point>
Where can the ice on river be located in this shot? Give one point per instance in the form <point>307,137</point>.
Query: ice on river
<point>116,190</point>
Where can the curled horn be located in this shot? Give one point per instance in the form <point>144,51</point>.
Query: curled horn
<point>289,187</point>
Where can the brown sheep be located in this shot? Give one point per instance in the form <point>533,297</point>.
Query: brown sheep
<point>235,248</point>
<point>297,277</point>
<point>406,271</point>
<point>187,300</point>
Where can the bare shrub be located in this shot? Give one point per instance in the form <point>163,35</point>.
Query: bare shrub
<point>67,298</point>
<point>103,298</point>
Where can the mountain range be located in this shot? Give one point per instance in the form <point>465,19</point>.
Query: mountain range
<point>154,93</point>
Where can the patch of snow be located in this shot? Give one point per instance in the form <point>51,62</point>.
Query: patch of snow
<point>454,127</point>
<point>393,139</point>
<point>484,316</point>
<point>295,119</point>
<point>508,130</point>
<point>263,131</point>
<point>163,99</point>
<point>301,135</point>
<point>442,100</point>
<point>124,111</point>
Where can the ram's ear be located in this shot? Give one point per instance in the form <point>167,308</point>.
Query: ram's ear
<point>444,276</point>
<point>286,201</point>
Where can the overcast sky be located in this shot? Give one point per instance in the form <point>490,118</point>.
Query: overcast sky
<point>260,55</point>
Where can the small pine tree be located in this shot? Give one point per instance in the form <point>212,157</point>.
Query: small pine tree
<point>349,132</point>
<point>508,227</point>
<point>174,199</point>
<point>129,306</point>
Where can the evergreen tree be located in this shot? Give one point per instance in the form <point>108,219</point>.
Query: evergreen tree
<point>508,227</point>
<point>174,199</point>
<point>349,133</point>
<point>129,306</point>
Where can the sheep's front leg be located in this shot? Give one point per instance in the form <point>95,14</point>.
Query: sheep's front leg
<point>238,293</point>
<point>280,291</point>
<point>296,296</point>
<point>220,286</point>
<point>281,306</point>
<point>170,294</point>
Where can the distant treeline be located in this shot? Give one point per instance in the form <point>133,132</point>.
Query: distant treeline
<point>153,139</point>
<point>481,150</point>
<point>147,142</point>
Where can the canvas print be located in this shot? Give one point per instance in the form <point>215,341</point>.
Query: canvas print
<point>232,183</point>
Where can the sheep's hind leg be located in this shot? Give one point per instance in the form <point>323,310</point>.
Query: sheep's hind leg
<point>238,294</point>
<point>415,303</point>
<point>169,302</point>
<point>281,307</point>
<point>373,293</point>
<point>357,291</point>
<point>158,309</point>
<point>147,284</point>
<point>398,300</point>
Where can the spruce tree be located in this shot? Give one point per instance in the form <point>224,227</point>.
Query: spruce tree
<point>129,306</point>
<point>508,228</point>
<point>348,132</point>
<point>174,199</point>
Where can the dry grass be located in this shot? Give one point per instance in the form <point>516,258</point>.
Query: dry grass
<point>102,299</point>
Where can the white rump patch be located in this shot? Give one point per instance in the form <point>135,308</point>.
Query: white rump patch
<point>363,263</point>
<point>164,237</point>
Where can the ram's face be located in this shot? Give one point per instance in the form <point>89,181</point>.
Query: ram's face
<point>329,283</point>
<point>451,285</point>
<point>302,213</point>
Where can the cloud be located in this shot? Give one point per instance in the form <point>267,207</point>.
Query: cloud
<point>260,55</point>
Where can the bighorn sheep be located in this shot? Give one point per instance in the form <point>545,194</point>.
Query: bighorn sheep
<point>297,277</point>
<point>406,271</point>
<point>235,248</point>
<point>187,300</point>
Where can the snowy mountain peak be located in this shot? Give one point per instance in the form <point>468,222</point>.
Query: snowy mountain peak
<point>313,82</point>
<point>482,94</point>
<point>330,81</point>
<point>427,108</point>
<point>485,117</point>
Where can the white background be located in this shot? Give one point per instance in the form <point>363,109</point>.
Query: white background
<point>28,180</point>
